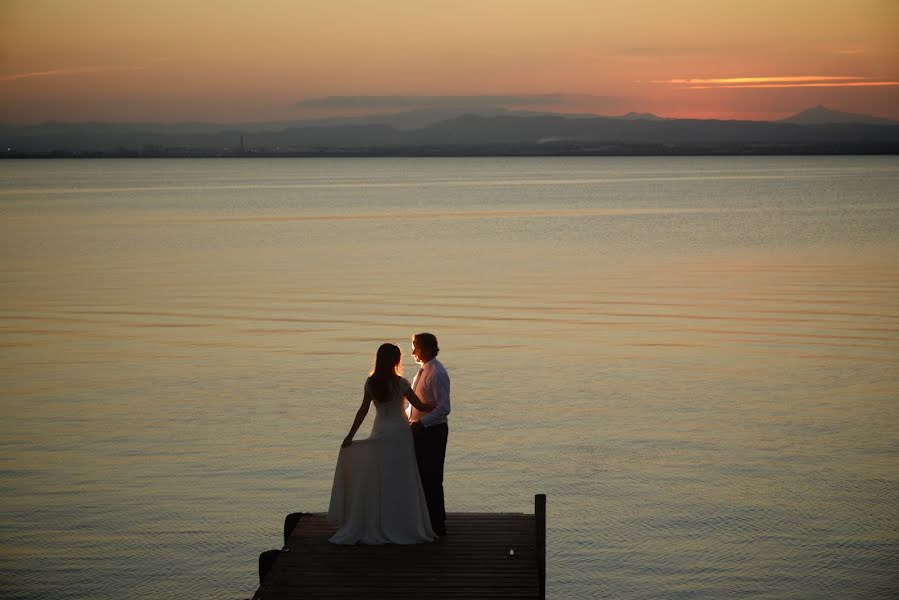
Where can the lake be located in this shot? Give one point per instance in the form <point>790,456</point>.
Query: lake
<point>694,358</point>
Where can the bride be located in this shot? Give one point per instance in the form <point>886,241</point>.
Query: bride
<point>377,496</point>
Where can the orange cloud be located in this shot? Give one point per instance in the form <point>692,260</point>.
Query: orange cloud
<point>82,70</point>
<point>743,80</point>
<point>792,81</point>
<point>797,85</point>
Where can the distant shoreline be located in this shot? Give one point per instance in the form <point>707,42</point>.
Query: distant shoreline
<point>818,131</point>
<point>493,150</point>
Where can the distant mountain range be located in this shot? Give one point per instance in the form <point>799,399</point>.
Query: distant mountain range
<point>474,131</point>
<point>820,115</point>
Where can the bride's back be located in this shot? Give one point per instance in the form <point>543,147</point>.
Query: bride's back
<point>391,405</point>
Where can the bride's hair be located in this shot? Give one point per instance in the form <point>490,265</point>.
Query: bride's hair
<point>386,371</point>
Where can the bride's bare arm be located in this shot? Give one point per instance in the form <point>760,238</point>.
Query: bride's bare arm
<point>415,401</point>
<point>360,416</point>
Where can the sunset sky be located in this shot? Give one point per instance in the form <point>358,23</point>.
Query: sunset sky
<point>236,60</point>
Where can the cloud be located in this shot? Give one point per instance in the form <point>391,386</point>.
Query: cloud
<point>81,70</point>
<point>665,53</point>
<point>753,80</point>
<point>768,82</point>
<point>382,104</point>
<point>377,102</point>
<point>799,85</point>
<point>657,51</point>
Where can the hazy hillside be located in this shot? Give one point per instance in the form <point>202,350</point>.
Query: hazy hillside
<point>816,130</point>
<point>820,115</point>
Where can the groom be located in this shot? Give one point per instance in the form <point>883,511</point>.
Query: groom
<point>430,430</point>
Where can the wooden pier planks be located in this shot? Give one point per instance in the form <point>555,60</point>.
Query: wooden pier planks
<point>473,561</point>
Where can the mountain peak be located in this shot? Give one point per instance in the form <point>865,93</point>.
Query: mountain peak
<point>633,116</point>
<point>820,114</point>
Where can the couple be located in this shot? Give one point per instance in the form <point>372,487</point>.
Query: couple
<point>388,489</point>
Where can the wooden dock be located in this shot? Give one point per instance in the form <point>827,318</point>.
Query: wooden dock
<point>484,555</point>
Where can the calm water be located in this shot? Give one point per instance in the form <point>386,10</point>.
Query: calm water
<point>695,358</point>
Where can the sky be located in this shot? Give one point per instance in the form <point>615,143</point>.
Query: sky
<point>268,60</point>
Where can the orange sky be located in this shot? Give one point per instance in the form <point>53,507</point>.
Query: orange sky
<point>236,60</point>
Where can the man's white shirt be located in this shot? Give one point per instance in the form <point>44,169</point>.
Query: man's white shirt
<point>431,384</point>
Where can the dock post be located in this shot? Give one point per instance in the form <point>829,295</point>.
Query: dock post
<point>540,517</point>
<point>290,523</point>
<point>266,562</point>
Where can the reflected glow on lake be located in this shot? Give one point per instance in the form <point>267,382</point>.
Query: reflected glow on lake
<point>696,359</point>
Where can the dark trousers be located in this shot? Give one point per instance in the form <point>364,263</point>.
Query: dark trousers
<point>430,450</point>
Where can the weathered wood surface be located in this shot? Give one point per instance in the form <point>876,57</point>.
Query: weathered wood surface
<point>473,561</point>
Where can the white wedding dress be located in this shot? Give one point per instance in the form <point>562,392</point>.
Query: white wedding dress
<point>377,496</point>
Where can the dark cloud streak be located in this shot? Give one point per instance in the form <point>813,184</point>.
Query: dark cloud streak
<point>376,102</point>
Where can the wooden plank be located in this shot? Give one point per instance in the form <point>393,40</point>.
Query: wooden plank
<point>473,561</point>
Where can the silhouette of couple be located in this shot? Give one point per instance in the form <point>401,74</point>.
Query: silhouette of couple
<point>388,488</point>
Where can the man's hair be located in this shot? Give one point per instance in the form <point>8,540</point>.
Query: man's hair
<point>428,341</point>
